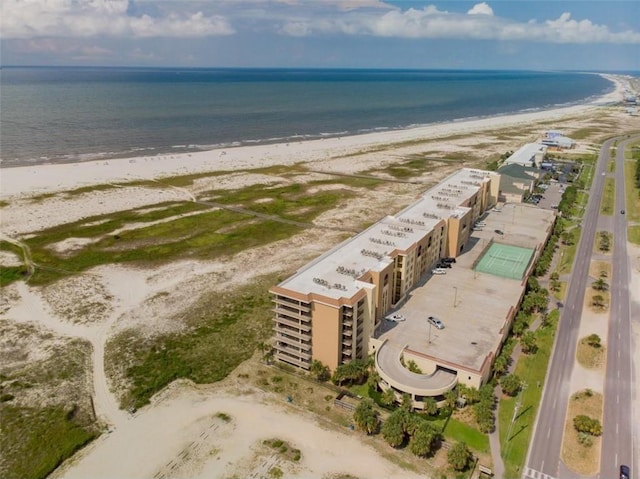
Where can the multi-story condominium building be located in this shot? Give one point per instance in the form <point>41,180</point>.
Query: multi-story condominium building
<point>329,309</point>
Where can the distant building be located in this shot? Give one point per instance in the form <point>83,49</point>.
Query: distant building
<point>516,182</point>
<point>530,155</point>
<point>557,139</point>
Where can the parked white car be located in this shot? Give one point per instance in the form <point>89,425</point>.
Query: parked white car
<point>439,271</point>
<point>436,322</point>
<point>396,318</point>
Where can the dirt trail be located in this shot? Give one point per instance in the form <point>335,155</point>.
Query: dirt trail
<point>32,308</point>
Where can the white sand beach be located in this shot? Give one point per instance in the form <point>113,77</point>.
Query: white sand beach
<point>152,443</point>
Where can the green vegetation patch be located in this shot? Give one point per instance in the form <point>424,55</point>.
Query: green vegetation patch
<point>568,252</point>
<point>633,234</point>
<point>283,448</point>
<point>589,353</point>
<point>531,368</point>
<point>608,197</point>
<point>224,330</point>
<point>172,234</point>
<point>458,431</point>
<point>36,441</point>
<point>632,187</point>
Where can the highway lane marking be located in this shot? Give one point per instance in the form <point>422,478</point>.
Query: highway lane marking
<point>616,428</point>
<point>554,402</point>
<point>548,433</point>
<point>618,398</point>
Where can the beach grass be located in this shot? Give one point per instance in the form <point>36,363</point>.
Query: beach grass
<point>608,197</point>
<point>223,330</point>
<point>532,369</point>
<point>36,440</point>
<point>175,230</point>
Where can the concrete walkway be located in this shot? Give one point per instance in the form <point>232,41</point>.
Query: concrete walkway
<point>494,442</point>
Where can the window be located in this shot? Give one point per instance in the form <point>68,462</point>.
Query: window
<point>386,279</point>
<point>419,250</point>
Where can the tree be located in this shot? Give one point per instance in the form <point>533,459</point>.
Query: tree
<point>471,394</point>
<point>388,397</point>
<point>319,370</point>
<point>430,406</point>
<point>459,456</point>
<point>366,417</point>
<point>484,416</point>
<point>510,384</point>
<point>533,284</point>
<point>528,343</point>
<point>567,237</point>
<point>395,427</point>
<point>407,402</point>
<point>451,397</point>
<point>600,285</point>
<point>424,439</point>
<point>500,365</point>
<point>554,276</point>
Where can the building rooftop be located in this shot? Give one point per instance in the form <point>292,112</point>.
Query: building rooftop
<point>335,274</point>
<point>473,306</point>
<point>525,154</point>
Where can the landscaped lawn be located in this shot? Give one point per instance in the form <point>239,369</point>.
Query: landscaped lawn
<point>532,369</point>
<point>458,431</point>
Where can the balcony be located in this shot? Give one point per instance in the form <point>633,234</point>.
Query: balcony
<point>293,324</point>
<point>292,360</point>
<point>304,346</point>
<point>295,333</point>
<point>292,303</point>
<point>291,313</point>
<point>293,352</point>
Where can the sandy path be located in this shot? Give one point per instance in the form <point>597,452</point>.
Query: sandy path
<point>180,437</point>
<point>32,308</point>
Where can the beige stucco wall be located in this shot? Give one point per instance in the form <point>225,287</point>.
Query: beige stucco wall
<point>324,333</point>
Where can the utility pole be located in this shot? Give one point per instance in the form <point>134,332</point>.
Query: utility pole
<point>455,296</point>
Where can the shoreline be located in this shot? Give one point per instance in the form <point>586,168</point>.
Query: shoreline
<point>22,181</point>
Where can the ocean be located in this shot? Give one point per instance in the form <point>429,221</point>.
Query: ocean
<point>50,115</point>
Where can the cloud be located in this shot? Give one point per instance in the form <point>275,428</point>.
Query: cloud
<point>479,23</point>
<point>481,9</point>
<point>87,18</point>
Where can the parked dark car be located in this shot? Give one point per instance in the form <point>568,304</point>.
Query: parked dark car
<point>625,472</point>
<point>448,260</point>
<point>442,264</point>
<point>500,232</point>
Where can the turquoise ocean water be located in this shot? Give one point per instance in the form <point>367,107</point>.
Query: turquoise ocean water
<point>53,115</point>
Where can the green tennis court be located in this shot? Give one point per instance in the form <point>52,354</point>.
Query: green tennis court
<point>505,261</point>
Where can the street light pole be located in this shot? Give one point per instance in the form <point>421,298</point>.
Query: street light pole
<point>455,296</point>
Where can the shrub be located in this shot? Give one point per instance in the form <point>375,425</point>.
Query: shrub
<point>510,384</point>
<point>588,425</point>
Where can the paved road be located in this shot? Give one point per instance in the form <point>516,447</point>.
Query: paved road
<point>617,437</point>
<point>543,460</point>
